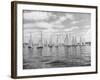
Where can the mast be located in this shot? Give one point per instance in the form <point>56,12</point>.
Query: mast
<point>41,37</point>
<point>80,41</point>
<point>40,45</point>
<point>56,42</point>
<point>66,41</point>
<point>50,42</point>
<point>45,42</point>
<point>74,41</point>
<point>30,42</point>
<point>69,40</point>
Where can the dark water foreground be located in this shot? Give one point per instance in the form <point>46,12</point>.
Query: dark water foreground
<point>46,57</point>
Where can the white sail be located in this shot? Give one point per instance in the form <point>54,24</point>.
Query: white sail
<point>74,41</point>
<point>40,44</point>
<point>81,41</point>
<point>69,39</point>
<point>57,43</point>
<point>45,43</point>
<point>66,41</point>
<point>50,42</point>
<point>30,45</point>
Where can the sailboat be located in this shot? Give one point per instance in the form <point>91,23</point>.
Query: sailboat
<point>81,43</point>
<point>40,44</point>
<point>74,41</point>
<point>67,42</point>
<point>30,44</point>
<point>57,42</point>
<point>45,43</point>
<point>50,42</point>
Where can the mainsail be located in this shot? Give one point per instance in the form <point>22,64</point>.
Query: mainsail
<point>57,43</point>
<point>67,41</point>
<point>74,41</point>
<point>50,42</point>
<point>30,44</point>
<point>40,44</point>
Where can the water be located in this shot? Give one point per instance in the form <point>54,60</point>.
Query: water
<point>62,56</point>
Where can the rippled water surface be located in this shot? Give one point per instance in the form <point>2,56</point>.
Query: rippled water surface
<point>46,57</point>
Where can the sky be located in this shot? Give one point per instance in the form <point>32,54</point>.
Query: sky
<point>50,23</point>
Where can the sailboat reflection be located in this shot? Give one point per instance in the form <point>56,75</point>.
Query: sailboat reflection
<point>59,50</point>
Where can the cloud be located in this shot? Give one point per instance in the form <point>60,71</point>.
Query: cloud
<point>60,20</point>
<point>69,16</point>
<point>38,25</point>
<point>58,26</point>
<point>63,18</point>
<point>75,22</point>
<point>87,26</point>
<point>44,24</point>
<point>72,28</point>
<point>36,15</point>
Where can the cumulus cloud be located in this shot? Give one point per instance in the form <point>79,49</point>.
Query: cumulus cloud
<point>60,20</point>
<point>69,16</point>
<point>37,15</point>
<point>87,26</point>
<point>63,18</point>
<point>75,22</point>
<point>58,26</point>
<point>39,25</point>
<point>72,28</point>
<point>34,26</point>
<point>44,24</point>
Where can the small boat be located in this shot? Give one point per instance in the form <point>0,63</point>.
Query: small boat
<point>57,45</point>
<point>81,43</point>
<point>45,43</point>
<point>74,41</point>
<point>67,42</point>
<point>30,44</point>
<point>50,43</point>
<point>40,45</point>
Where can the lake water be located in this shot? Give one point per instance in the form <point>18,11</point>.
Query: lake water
<point>62,56</point>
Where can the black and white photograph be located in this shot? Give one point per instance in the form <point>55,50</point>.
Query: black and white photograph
<point>53,39</point>
<point>56,39</point>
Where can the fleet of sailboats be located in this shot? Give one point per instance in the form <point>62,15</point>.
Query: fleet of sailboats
<point>69,41</point>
